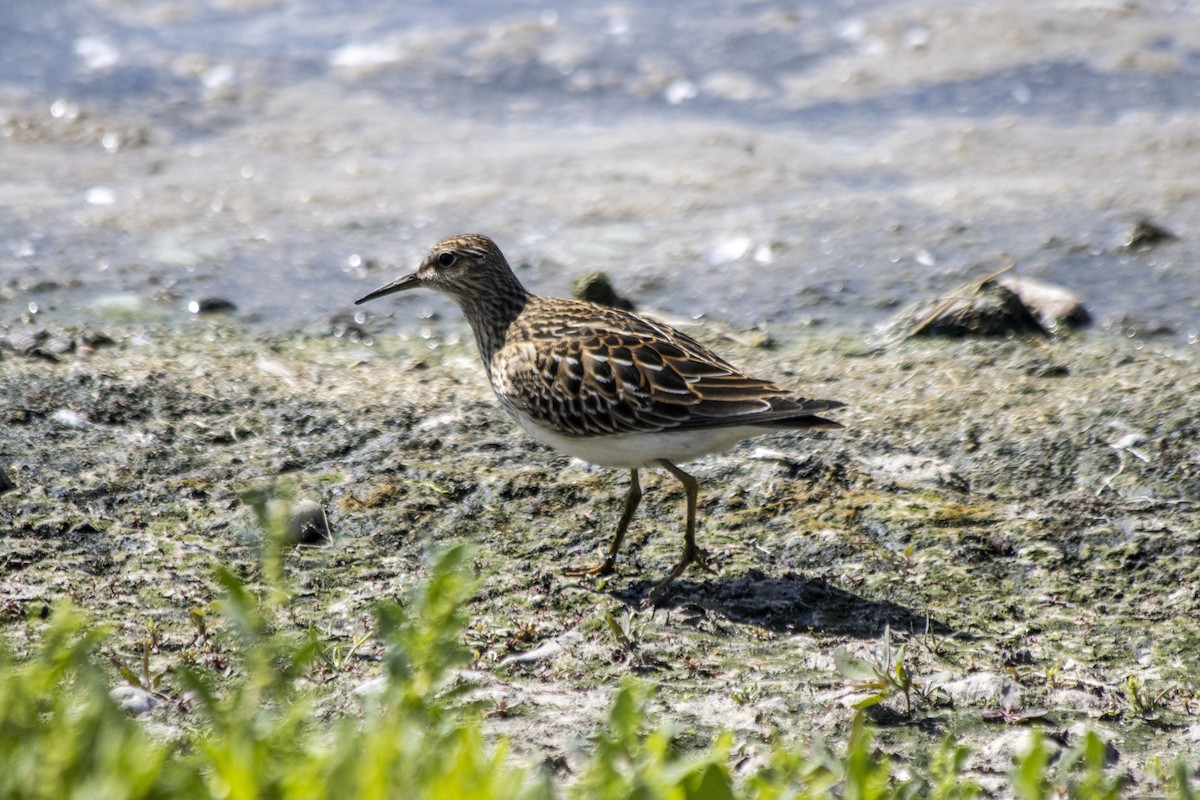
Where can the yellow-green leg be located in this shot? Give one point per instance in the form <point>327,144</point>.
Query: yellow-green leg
<point>691,553</point>
<point>632,498</point>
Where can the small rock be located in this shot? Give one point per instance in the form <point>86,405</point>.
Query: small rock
<point>23,341</point>
<point>70,418</point>
<point>1004,748</point>
<point>910,470</point>
<point>976,689</point>
<point>211,305</point>
<point>1054,306</point>
<point>596,287</point>
<point>546,650</point>
<point>87,341</point>
<point>39,344</point>
<point>59,345</point>
<point>371,688</point>
<point>133,699</point>
<point>1076,700</point>
<point>1147,234</point>
<point>307,523</point>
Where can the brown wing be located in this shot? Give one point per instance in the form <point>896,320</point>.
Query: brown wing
<point>612,372</point>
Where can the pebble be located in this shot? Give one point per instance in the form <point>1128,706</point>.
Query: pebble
<point>546,650</point>
<point>991,310</point>
<point>1076,700</point>
<point>39,344</point>
<point>211,305</point>
<point>133,699</point>
<point>975,689</point>
<point>371,688</point>
<point>910,470</point>
<point>69,418</point>
<point>49,346</point>
<point>307,522</point>
<point>982,308</point>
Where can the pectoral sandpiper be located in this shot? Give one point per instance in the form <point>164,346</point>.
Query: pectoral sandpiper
<point>606,386</point>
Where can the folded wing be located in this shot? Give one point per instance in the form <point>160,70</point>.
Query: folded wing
<point>626,374</point>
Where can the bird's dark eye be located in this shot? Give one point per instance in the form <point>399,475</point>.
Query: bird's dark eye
<point>447,259</point>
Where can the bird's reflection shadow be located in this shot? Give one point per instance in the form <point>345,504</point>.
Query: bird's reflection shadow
<point>785,603</point>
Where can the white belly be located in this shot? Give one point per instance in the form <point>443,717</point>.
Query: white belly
<point>635,450</point>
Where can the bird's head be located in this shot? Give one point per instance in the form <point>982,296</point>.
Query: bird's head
<point>464,267</point>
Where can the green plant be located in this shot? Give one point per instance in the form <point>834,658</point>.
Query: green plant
<point>1142,701</point>
<point>1036,777</point>
<point>629,762</point>
<point>626,634</point>
<point>886,677</point>
<point>61,734</point>
<point>258,730</point>
<point>147,679</point>
<point>748,693</point>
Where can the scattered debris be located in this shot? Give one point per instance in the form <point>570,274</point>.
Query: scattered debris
<point>50,346</point>
<point>39,344</point>
<point>277,370</point>
<point>908,471</point>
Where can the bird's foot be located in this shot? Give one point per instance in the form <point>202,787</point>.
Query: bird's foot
<point>607,567</point>
<point>692,555</point>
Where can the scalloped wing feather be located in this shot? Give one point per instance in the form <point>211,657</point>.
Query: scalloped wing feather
<point>589,372</point>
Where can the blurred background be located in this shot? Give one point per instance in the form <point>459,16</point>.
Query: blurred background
<point>775,163</point>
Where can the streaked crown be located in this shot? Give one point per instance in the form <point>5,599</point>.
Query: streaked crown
<point>467,266</point>
<point>472,271</point>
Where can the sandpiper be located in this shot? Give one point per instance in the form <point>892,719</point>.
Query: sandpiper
<point>607,386</point>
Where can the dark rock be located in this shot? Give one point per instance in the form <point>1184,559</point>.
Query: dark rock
<point>596,287</point>
<point>1147,234</point>
<point>308,524</point>
<point>211,305</point>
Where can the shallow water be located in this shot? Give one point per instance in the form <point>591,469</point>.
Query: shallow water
<point>756,162</point>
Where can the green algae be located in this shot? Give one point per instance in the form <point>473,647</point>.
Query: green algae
<point>991,516</point>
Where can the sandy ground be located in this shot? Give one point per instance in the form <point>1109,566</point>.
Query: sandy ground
<point>1021,513</point>
<point>1035,548</point>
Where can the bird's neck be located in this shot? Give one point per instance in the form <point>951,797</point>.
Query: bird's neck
<point>491,313</point>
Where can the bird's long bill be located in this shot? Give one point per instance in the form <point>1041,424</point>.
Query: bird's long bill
<point>398,285</point>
